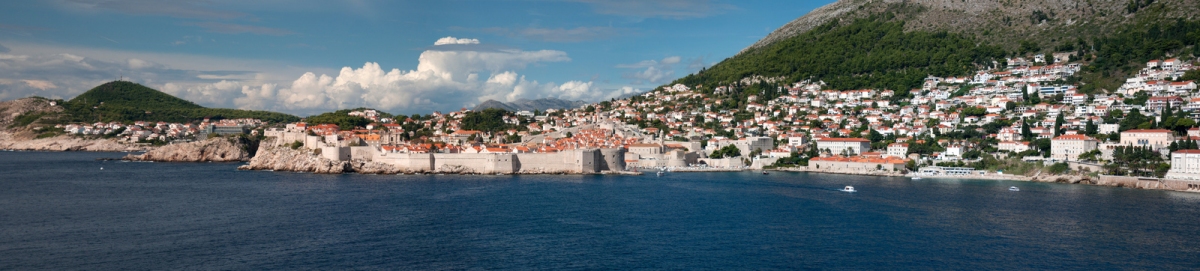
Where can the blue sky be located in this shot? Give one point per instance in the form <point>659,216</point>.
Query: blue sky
<point>306,57</point>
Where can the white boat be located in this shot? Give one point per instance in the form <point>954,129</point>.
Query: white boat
<point>849,189</point>
<point>660,173</point>
<point>1013,188</point>
<point>916,178</point>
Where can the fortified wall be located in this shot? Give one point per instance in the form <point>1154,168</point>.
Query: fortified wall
<point>570,162</point>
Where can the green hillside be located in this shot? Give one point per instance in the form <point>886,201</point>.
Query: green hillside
<point>124,101</point>
<point>880,52</point>
<point>865,53</point>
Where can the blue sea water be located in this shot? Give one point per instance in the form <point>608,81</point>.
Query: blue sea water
<point>60,211</point>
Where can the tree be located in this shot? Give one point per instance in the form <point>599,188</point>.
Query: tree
<point>874,136</point>
<point>1058,124</point>
<point>1025,132</point>
<point>1090,128</point>
<point>1010,105</point>
<point>727,151</point>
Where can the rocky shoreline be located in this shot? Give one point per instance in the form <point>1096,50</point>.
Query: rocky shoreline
<point>211,150</point>
<point>9,141</point>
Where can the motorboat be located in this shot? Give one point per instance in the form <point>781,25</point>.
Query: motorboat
<point>916,178</point>
<point>1013,188</point>
<point>765,172</point>
<point>660,173</point>
<point>849,189</point>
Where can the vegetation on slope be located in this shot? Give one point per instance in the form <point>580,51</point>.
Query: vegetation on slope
<point>488,120</point>
<point>124,101</point>
<point>865,53</point>
<point>340,117</point>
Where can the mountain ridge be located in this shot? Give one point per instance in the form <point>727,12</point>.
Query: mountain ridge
<point>997,22</point>
<point>531,105</point>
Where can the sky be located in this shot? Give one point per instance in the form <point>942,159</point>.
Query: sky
<point>308,57</point>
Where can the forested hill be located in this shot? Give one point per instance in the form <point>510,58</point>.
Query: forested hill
<point>124,101</point>
<point>866,53</point>
<point>894,45</point>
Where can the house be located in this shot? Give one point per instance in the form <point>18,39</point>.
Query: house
<point>1013,146</point>
<point>836,146</point>
<point>1185,165</point>
<point>1155,138</point>
<point>897,150</point>
<point>1069,147</point>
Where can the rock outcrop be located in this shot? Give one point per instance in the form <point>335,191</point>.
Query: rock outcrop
<point>23,135</point>
<point>211,150</point>
<point>9,141</point>
<point>282,158</point>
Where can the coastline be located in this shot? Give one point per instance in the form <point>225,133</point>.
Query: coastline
<point>64,143</point>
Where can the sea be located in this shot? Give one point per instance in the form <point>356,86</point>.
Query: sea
<point>71,211</point>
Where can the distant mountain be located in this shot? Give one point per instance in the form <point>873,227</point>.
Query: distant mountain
<point>125,101</point>
<point>531,105</point>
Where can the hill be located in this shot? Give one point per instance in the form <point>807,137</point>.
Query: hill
<point>1003,23</point>
<point>531,105</point>
<point>854,44</point>
<point>124,101</point>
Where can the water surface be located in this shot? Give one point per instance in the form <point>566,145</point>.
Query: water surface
<point>60,211</point>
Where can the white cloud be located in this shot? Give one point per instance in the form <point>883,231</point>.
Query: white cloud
<point>443,79</point>
<point>659,71</point>
<point>453,40</point>
<point>40,84</point>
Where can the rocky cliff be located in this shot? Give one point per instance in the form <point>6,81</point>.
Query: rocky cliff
<point>211,150</point>
<point>283,158</point>
<point>1000,22</point>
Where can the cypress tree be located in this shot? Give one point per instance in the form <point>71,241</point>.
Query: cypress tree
<point>1025,132</point>
<point>1058,123</point>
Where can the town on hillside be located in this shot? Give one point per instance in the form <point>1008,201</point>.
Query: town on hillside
<point>1018,117</point>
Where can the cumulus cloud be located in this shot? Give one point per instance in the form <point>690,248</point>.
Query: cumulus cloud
<point>456,73</point>
<point>453,40</point>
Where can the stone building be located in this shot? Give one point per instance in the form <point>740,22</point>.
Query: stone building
<point>852,146</point>
<point>1069,147</point>
<point>1156,138</point>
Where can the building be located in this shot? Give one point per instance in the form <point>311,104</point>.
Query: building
<point>897,150</point>
<point>1108,128</point>
<point>1156,138</point>
<point>1157,103</point>
<point>852,146</point>
<point>1069,147</point>
<point>856,164</point>
<point>745,145</point>
<point>1013,146</point>
<point>1185,165</point>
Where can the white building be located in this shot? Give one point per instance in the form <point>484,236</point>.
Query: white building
<point>1185,165</point>
<point>1156,138</point>
<point>853,146</point>
<point>1013,146</point>
<point>1069,147</point>
<point>897,150</point>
